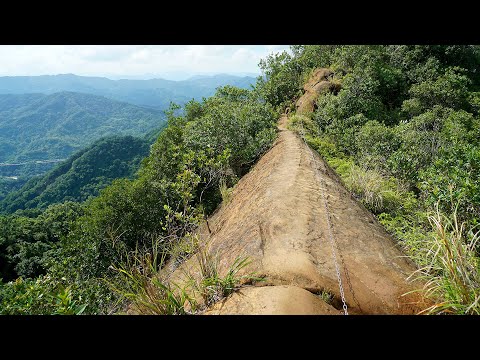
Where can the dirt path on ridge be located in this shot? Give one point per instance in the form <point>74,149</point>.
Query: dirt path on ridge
<point>277,217</point>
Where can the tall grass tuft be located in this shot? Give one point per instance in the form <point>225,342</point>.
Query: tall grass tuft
<point>453,273</point>
<point>225,191</point>
<point>211,285</point>
<point>379,193</point>
<point>302,124</point>
<point>182,249</point>
<point>147,293</point>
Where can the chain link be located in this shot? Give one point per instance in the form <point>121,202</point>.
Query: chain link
<point>334,252</point>
<point>330,232</point>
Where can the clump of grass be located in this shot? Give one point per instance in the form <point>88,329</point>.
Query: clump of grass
<point>452,274</point>
<point>370,186</point>
<point>326,296</point>
<point>211,285</point>
<point>325,146</point>
<point>184,248</point>
<point>376,191</point>
<point>147,293</point>
<point>225,191</point>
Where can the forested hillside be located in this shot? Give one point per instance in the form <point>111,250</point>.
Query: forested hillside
<point>155,93</point>
<point>45,127</point>
<point>82,175</point>
<point>214,142</point>
<point>8,185</point>
<point>400,125</point>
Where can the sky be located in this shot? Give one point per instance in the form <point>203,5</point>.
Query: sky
<point>174,62</point>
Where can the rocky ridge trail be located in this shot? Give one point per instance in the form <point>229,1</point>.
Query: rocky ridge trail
<point>276,216</point>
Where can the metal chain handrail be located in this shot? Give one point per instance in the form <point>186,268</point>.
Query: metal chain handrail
<point>330,232</point>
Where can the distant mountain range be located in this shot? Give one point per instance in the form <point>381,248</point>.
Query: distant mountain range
<point>154,93</point>
<point>45,119</point>
<point>179,75</point>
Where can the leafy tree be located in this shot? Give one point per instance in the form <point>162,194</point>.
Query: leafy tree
<point>449,90</point>
<point>281,79</point>
<point>376,142</point>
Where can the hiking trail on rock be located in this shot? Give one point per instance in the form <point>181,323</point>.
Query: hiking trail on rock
<point>276,217</point>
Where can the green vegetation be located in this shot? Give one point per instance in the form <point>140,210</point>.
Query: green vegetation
<point>38,296</point>
<point>401,130</point>
<point>213,287</point>
<point>83,175</point>
<point>29,239</point>
<point>225,191</point>
<point>326,296</point>
<point>178,184</point>
<point>8,185</point>
<point>452,272</point>
<point>36,127</point>
<point>149,293</point>
<point>402,133</point>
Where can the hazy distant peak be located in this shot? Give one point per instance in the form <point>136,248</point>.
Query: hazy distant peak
<point>153,93</point>
<point>222,75</point>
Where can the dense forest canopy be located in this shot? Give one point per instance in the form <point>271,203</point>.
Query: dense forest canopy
<point>402,132</point>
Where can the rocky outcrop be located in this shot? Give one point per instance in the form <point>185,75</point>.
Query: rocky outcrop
<point>319,82</point>
<point>272,300</point>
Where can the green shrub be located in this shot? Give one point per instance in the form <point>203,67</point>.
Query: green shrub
<point>454,181</point>
<point>302,124</point>
<point>40,296</point>
<point>325,146</point>
<point>411,231</point>
<point>375,143</point>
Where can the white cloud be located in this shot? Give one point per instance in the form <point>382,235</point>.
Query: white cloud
<point>131,60</point>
